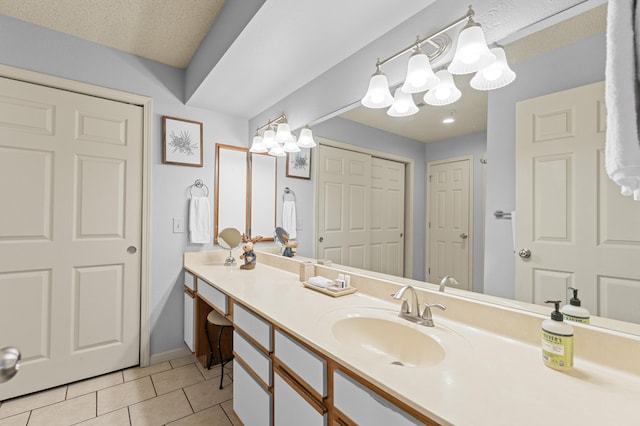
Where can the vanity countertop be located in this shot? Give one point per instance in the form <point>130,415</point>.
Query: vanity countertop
<point>496,380</point>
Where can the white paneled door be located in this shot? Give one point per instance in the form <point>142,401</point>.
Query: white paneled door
<point>449,222</point>
<point>343,207</point>
<point>576,227</point>
<point>70,233</point>
<point>387,216</point>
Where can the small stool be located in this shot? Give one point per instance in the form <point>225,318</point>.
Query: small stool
<point>214,318</point>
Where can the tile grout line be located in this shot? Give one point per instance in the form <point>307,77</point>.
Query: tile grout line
<point>129,414</point>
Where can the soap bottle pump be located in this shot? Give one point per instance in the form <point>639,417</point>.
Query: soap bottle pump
<point>573,311</point>
<point>557,340</point>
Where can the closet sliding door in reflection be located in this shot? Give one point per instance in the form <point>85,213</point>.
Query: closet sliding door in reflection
<point>263,195</point>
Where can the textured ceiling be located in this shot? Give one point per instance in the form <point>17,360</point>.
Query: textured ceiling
<point>166,31</point>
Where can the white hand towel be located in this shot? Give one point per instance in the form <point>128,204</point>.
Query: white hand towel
<point>622,151</point>
<point>199,220</point>
<point>320,282</point>
<point>289,218</point>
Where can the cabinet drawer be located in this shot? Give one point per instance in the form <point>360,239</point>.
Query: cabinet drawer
<point>213,296</point>
<point>189,304</point>
<point>307,365</point>
<point>254,326</point>
<point>253,357</point>
<point>364,406</point>
<point>251,402</point>
<point>190,280</point>
<point>290,408</point>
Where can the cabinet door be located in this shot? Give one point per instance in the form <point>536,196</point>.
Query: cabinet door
<point>189,336</point>
<point>290,408</point>
<point>251,402</point>
<point>365,407</point>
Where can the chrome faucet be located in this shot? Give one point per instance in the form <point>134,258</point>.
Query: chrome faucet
<point>412,314</point>
<point>447,280</point>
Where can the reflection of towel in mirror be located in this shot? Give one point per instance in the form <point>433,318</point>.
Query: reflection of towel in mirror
<point>199,220</point>
<point>622,151</point>
<point>289,218</point>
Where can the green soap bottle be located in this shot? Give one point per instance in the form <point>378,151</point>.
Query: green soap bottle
<point>573,311</point>
<point>557,340</point>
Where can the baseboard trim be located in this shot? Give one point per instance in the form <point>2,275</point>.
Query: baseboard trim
<point>169,355</point>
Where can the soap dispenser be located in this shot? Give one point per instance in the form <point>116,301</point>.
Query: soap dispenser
<point>557,340</point>
<point>573,311</point>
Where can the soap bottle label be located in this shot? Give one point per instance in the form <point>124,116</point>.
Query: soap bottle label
<point>576,319</point>
<point>557,350</point>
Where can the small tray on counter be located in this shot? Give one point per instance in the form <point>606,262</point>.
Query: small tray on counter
<point>332,293</point>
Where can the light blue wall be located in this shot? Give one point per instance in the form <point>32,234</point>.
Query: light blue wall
<point>34,48</point>
<point>571,66</point>
<point>474,145</point>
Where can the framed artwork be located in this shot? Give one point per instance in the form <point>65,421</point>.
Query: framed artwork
<point>181,142</point>
<point>299,164</point>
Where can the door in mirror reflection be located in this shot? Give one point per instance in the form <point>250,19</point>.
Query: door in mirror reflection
<point>449,222</point>
<point>560,138</point>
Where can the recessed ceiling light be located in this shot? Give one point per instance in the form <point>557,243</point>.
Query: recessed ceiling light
<point>449,118</point>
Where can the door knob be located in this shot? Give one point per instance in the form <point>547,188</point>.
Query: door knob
<point>131,249</point>
<point>464,235</point>
<point>524,253</point>
<point>321,239</point>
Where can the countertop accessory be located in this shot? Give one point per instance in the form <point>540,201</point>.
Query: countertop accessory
<point>557,340</point>
<point>331,290</point>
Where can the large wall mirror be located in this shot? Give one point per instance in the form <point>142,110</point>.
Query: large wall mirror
<point>564,53</point>
<point>245,192</point>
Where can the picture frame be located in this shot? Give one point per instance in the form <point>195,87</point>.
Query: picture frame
<point>181,142</point>
<point>299,164</point>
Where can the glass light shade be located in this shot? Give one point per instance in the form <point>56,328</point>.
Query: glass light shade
<point>378,94</point>
<point>283,134</point>
<point>257,145</point>
<point>277,151</point>
<point>291,145</point>
<point>420,76</point>
<point>444,93</point>
<point>496,75</point>
<point>306,138</point>
<point>403,105</point>
<point>472,52</point>
<point>268,139</point>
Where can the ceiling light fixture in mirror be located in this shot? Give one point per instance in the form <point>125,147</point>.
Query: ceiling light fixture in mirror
<point>472,55</point>
<point>280,141</point>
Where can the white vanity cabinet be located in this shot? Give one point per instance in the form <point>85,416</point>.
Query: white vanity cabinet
<point>363,406</point>
<point>252,367</point>
<point>215,297</point>
<point>189,310</point>
<point>300,380</point>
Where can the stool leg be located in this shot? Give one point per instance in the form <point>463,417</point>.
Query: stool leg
<point>220,353</point>
<point>206,330</point>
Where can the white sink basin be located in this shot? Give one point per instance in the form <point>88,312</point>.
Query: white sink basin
<point>389,341</point>
<point>380,336</point>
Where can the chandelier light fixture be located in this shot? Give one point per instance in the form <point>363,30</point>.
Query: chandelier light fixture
<point>280,141</point>
<point>472,55</point>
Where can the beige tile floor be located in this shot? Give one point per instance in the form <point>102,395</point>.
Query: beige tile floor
<point>179,392</point>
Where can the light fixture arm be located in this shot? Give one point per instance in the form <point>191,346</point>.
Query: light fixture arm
<point>282,118</point>
<point>431,39</point>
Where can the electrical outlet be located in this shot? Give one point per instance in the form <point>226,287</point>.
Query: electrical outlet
<point>178,225</point>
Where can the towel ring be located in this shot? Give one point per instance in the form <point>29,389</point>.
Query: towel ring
<point>199,184</point>
<point>288,191</point>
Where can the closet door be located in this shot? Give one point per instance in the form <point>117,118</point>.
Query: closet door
<point>387,216</point>
<point>343,233</point>
<point>70,231</point>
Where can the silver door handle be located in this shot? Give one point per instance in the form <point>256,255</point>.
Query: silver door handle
<point>10,359</point>
<point>321,239</point>
<point>131,249</point>
<point>464,235</point>
<point>524,253</point>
